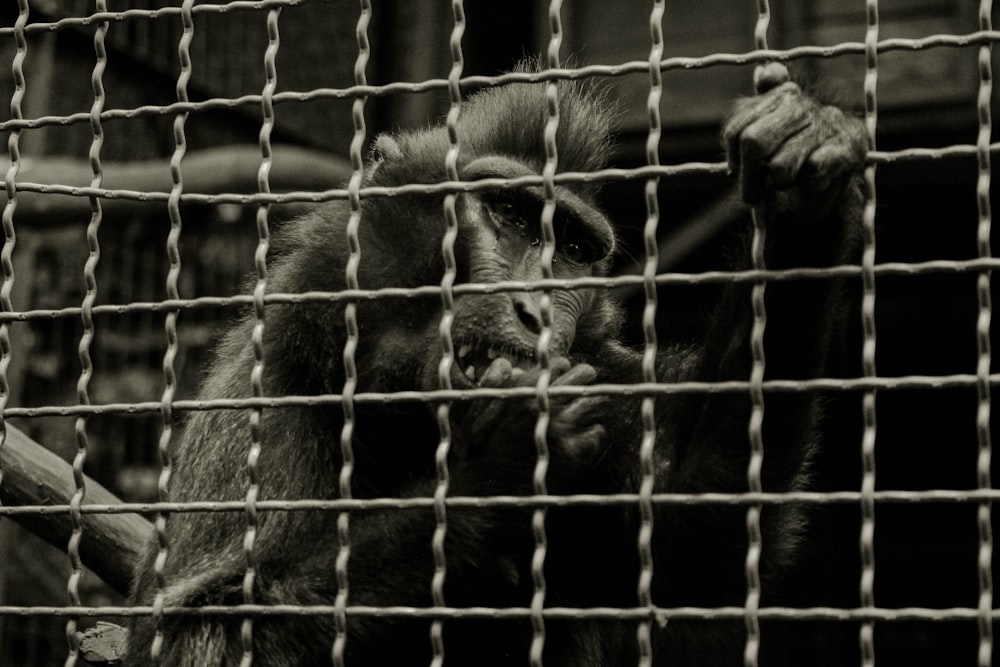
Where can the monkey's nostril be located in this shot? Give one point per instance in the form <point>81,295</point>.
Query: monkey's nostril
<point>529,315</point>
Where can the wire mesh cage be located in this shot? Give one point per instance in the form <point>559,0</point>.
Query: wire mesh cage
<point>161,155</point>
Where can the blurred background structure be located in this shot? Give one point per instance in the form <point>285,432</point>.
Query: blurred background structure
<point>926,553</point>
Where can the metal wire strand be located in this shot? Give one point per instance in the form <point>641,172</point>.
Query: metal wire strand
<point>932,496</point>
<point>867,537</point>
<point>257,336</point>
<point>751,568</point>
<point>983,389</point>
<point>10,207</point>
<point>884,383</point>
<point>609,175</point>
<point>345,476</point>
<point>87,338</point>
<point>616,614</point>
<point>539,483</point>
<point>444,331</point>
<point>611,283</point>
<point>590,71</point>
<point>170,328</point>
<point>646,446</point>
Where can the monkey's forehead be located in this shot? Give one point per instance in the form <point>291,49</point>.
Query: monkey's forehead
<point>514,120</point>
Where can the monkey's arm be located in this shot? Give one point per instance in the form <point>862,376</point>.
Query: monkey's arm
<point>799,164</point>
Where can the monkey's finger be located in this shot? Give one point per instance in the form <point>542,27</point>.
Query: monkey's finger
<point>769,76</point>
<point>587,444</point>
<point>835,158</point>
<point>824,166</point>
<point>583,410</point>
<point>763,140</point>
<point>498,373</point>
<point>786,164</point>
<point>750,110</point>
<point>559,365</point>
<point>528,377</point>
<point>844,149</point>
<point>746,112</point>
<point>842,152</point>
<point>579,374</point>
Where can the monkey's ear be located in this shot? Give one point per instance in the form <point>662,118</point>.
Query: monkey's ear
<point>385,148</point>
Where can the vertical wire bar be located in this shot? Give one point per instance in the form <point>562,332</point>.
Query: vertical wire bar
<point>9,209</point>
<point>984,232</point>
<point>257,335</point>
<point>444,328</point>
<point>544,339</point>
<point>86,366</point>
<point>647,483</point>
<point>170,324</point>
<point>755,426</point>
<point>867,538</point>
<point>10,237</point>
<point>351,327</point>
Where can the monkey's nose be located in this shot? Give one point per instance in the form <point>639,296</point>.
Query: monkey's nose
<point>529,312</point>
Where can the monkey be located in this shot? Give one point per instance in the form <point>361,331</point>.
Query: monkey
<point>799,164</point>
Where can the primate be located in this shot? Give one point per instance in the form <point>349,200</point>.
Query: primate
<point>798,163</point>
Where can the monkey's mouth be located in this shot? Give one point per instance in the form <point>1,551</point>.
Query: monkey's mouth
<point>473,360</point>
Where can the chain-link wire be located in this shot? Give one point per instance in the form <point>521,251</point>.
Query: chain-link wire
<point>542,397</point>
<point>983,330</point>
<point>867,537</point>
<point>444,331</point>
<point>10,207</point>
<point>170,329</point>
<point>650,348</point>
<point>755,433</point>
<point>87,317</point>
<point>346,473</point>
<point>257,335</point>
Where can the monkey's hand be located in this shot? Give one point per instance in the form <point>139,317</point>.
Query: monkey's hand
<point>794,156</point>
<point>497,438</point>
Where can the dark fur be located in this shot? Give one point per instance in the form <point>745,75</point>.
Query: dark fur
<point>592,558</point>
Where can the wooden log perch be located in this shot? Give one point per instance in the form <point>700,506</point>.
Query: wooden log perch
<point>32,475</point>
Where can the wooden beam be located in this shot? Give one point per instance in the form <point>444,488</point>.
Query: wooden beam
<point>32,475</point>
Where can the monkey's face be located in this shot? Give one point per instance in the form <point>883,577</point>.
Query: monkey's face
<point>501,240</point>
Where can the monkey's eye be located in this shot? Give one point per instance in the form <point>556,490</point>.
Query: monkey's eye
<point>578,253</point>
<point>507,213</point>
<point>574,245</point>
<point>574,253</point>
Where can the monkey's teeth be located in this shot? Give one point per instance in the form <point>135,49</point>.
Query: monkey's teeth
<point>464,350</point>
<point>470,373</point>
